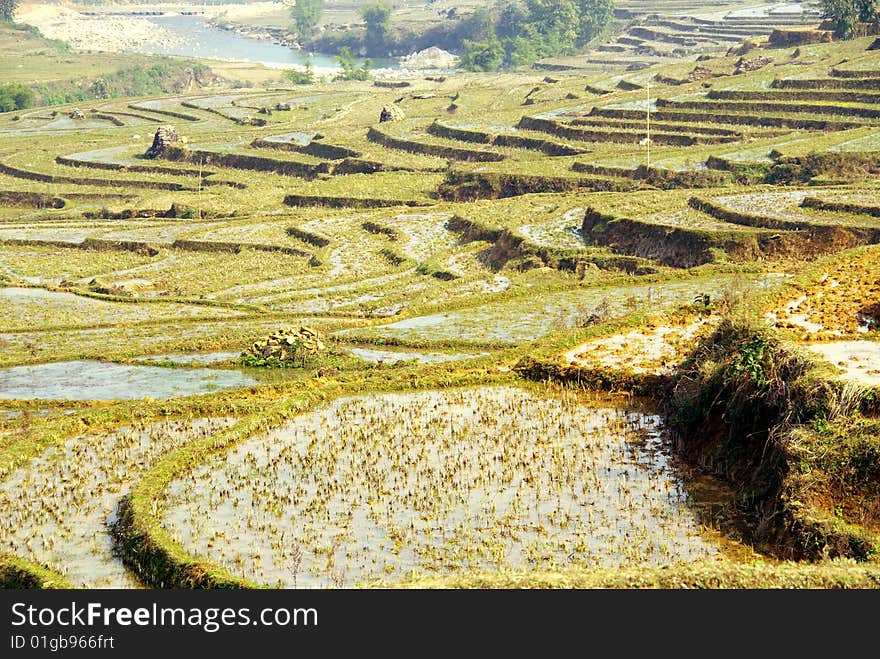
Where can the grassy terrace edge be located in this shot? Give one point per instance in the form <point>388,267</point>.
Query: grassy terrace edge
<point>20,573</point>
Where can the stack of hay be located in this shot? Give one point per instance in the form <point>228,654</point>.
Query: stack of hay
<point>288,346</point>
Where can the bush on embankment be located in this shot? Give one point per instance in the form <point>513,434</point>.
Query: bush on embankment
<point>757,413</point>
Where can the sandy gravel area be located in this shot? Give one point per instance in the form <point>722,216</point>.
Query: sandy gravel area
<point>100,33</point>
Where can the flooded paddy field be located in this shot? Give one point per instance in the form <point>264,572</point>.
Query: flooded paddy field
<point>439,483</point>
<point>56,508</point>
<point>85,380</point>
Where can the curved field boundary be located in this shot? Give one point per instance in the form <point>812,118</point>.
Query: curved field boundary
<point>116,167</point>
<point>372,227</point>
<point>30,199</point>
<point>313,148</point>
<point>107,117</point>
<point>837,72</point>
<point>672,246</point>
<point>622,136</point>
<point>840,207</point>
<point>469,186</point>
<point>814,95</point>
<point>854,82</point>
<point>21,573</point>
<point>301,200</point>
<point>393,257</point>
<point>717,114</point>
<point>152,248</point>
<point>135,115</point>
<point>680,247</point>
<point>308,237</point>
<point>166,113</point>
<point>546,147</point>
<point>756,220</point>
<point>743,106</point>
<point>234,248</point>
<point>468,155</point>
<point>157,558</point>
<point>668,127</point>
<point>228,117</point>
<point>252,163</point>
<point>590,379</point>
<point>160,562</point>
<point>97,182</point>
<point>506,245</point>
<point>662,178</point>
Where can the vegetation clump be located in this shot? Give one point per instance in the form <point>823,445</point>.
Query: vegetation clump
<point>759,413</point>
<point>288,347</point>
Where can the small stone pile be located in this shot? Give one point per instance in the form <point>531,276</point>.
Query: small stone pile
<point>744,65</point>
<point>700,73</point>
<point>391,113</point>
<point>287,346</point>
<point>166,138</point>
<point>76,114</point>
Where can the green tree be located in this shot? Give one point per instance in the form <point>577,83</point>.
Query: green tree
<point>595,18</point>
<point>297,77</point>
<point>350,71</point>
<point>7,10</point>
<point>521,51</point>
<point>844,14</point>
<point>377,18</point>
<point>869,11</point>
<point>15,96</point>
<point>305,15</point>
<point>556,21</point>
<point>482,55</point>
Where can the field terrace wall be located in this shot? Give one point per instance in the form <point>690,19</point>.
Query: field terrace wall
<point>507,246</point>
<point>624,136</point>
<point>470,186</point>
<point>438,150</point>
<point>546,147</point>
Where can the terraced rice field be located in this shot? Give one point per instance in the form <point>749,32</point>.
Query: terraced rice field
<point>506,216</point>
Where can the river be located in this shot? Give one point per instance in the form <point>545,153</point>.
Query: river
<point>203,40</point>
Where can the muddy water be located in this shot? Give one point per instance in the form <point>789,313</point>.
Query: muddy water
<point>440,483</point>
<point>93,380</point>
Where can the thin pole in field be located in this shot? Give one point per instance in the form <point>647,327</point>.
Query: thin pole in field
<point>648,125</point>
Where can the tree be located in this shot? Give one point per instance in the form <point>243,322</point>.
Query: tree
<point>377,17</point>
<point>297,77</point>
<point>482,55</point>
<point>349,70</point>
<point>844,14</point>
<point>305,15</point>
<point>869,12</point>
<point>595,17</point>
<point>15,96</point>
<point>556,21</point>
<point>7,10</point>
